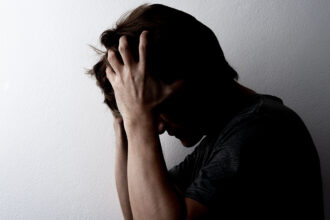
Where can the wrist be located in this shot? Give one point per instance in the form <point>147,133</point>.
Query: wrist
<point>138,117</point>
<point>142,120</point>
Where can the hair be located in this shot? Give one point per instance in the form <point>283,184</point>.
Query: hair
<point>179,47</point>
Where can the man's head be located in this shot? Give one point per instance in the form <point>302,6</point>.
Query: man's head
<point>179,47</point>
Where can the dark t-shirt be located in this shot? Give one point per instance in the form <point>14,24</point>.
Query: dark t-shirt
<point>261,165</point>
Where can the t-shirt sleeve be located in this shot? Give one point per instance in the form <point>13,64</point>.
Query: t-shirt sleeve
<point>217,182</point>
<point>209,182</point>
<point>181,174</point>
<point>216,179</point>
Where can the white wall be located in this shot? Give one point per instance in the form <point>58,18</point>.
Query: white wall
<point>56,137</point>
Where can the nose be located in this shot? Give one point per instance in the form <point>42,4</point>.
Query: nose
<point>161,126</point>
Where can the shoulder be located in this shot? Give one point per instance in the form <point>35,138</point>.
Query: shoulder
<point>262,131</point>
<point>263,115</point>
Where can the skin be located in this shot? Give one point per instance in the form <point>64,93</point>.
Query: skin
<point>139,151</point>
<point>121,165</point>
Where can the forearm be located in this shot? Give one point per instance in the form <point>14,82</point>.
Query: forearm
<point>121,174</point>
<point>121,182</point>
<point>151,194</point>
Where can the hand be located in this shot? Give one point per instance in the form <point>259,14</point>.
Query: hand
<point>136,92</point>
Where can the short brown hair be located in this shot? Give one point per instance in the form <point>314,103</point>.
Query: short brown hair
<point>180,47</point>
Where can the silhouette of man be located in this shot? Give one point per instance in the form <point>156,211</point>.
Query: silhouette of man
<point>165,71</point>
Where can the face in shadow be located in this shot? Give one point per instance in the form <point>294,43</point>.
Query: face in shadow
<point>180,117</point>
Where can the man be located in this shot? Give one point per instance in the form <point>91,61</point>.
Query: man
<point>164,70</point>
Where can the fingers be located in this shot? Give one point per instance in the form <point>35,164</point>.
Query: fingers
<point>143,49</point>
<point>126,54</point>
<point>114,62</point>
<point>110,75</point>
<point>125,51</point>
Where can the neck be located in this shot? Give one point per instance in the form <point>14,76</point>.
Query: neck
<point>231,103</point>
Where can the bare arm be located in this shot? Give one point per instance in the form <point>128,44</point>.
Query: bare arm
<point>193,209</point>
<point>121,167</point>
<point>137,94</point>
<point>152,195</point>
